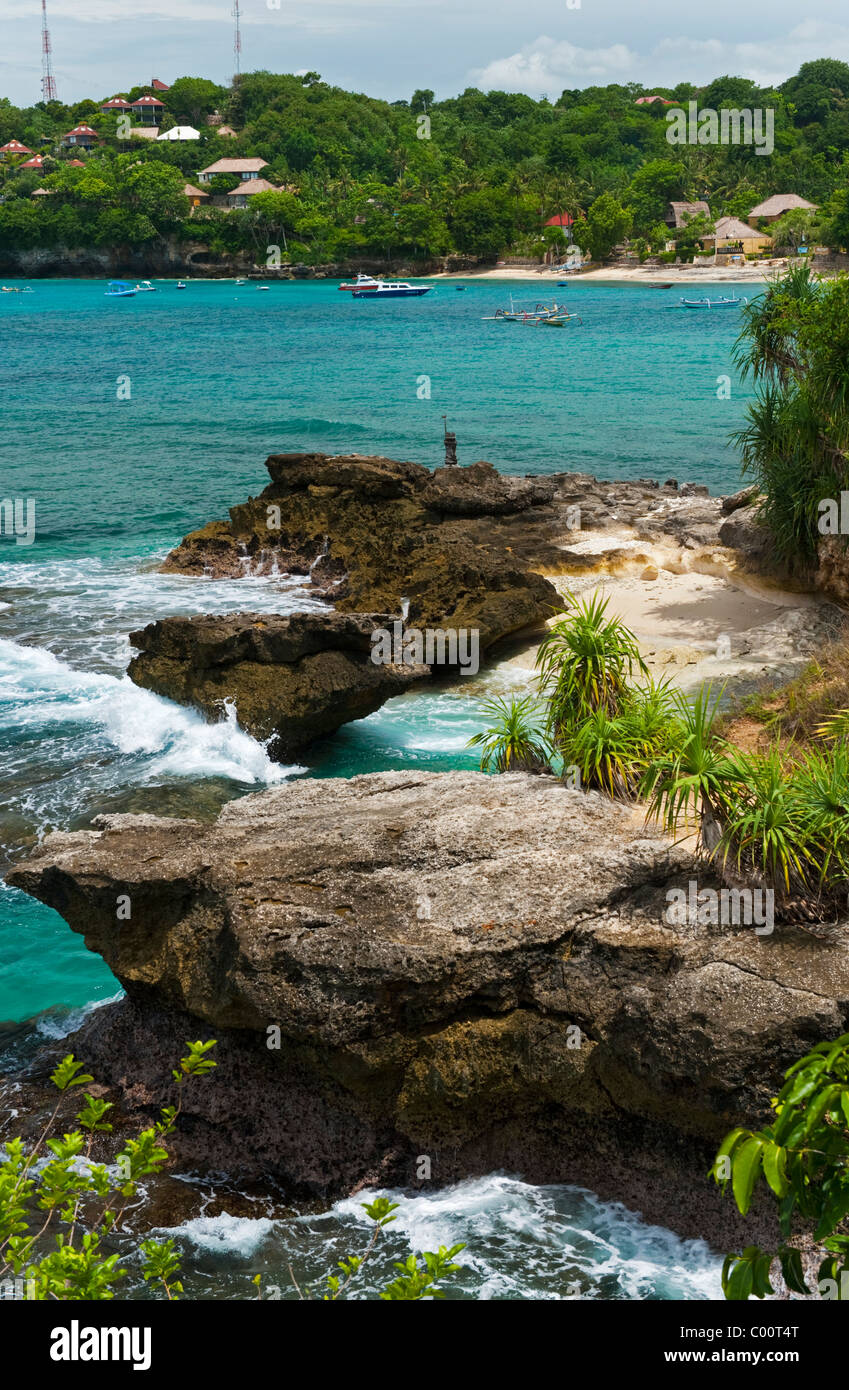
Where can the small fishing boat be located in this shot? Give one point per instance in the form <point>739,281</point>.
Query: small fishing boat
<point>241,280</point>
<point>180,285</point>
<point>145,287</point>
<point>362,282</point>
<point>393,289</point>
<point>460,288</point>
<point>667,285</point>
<point>264,287</point>
<point>119,289</point>
<point>725,302</point>
<point>554,314</point>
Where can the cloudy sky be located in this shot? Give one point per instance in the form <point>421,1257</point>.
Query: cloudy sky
<point>389,47</point>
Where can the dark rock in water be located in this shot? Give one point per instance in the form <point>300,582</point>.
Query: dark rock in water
<point>477,969</point>
<point>292,679</point>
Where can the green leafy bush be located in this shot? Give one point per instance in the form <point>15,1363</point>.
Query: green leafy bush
<point>56,1183</point>
<point>803,1158</point>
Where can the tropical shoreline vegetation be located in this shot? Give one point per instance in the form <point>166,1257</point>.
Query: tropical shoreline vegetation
<point>58,1189</point>
<point>774,818</point>
<point>357,182</point>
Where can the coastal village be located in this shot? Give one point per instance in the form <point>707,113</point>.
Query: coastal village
<point>485,825</point>
<point>776,222</point>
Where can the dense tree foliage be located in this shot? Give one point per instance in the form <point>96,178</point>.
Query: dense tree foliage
<point>479,174</point>
<point>795,346</point>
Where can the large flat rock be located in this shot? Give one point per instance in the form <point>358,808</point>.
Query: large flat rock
<point>474,968</point>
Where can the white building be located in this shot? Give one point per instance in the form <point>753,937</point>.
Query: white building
<point>180,132</point>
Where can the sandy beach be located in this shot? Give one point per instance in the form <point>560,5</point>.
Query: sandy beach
<point>751,273</point>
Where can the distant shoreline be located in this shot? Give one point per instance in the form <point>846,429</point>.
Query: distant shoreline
<point>630,275</point>
<point>538,275</point>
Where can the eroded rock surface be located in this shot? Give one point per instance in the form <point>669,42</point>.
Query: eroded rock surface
<point>474,968</point>
<point>369,532</point>
<point>291,679</point>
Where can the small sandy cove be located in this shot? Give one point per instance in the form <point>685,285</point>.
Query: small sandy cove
<point>696,618</point>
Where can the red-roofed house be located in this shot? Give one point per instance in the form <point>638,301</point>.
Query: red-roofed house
<point>13,148</point>
<point>148,109</point>
<point>647,101</point>
<point>81,135</point>
<point>159,86</point>
<point>560,219</point>
<point>75,164</point>
<point>37,162</point>
<point>116,105</point>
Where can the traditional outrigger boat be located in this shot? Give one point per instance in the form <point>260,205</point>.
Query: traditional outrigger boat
<point>541,316</point>
<point>725,302</point>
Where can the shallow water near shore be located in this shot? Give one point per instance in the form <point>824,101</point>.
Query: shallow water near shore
<point>219,377</point>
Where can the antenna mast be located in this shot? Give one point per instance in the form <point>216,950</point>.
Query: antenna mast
<point>237,43</point>
<point>48,81</point>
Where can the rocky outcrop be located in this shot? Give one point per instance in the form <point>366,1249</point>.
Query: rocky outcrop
<point>291,679</point>
<point>747,534</point>
<point>832,571</point>
<point>477,969</point>
<point>368,532</point>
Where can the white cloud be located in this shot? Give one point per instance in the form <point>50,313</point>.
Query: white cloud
<point>547,65</point>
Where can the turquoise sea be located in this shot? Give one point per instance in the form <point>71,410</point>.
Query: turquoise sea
<point>129,422</point>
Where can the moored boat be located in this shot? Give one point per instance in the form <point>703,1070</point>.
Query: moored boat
<point>393,289</point>
<point>724,302</point>
<point>145,287</point>
<point>119,289</point>
<point>553,314</point>
<point>362,282</point>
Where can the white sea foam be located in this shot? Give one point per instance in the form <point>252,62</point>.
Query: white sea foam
<point>553,1242</point>
<point>57,1024</point>
<point>39,691</point>
<point>235,1236</point>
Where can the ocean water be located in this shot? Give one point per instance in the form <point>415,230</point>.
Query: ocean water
<point>129,422</point>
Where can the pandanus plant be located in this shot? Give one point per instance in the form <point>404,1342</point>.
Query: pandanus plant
<point>514,741</point>
<point>585,663</point>
<point>692,780</point>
